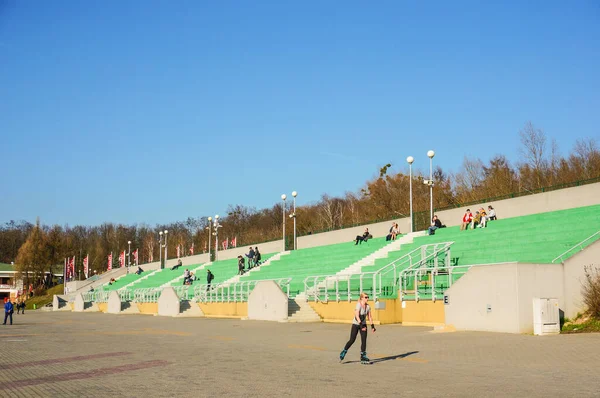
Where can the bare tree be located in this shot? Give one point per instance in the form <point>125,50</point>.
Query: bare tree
<point>533,141</point>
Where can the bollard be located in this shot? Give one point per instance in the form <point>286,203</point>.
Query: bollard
<point>34,307</point>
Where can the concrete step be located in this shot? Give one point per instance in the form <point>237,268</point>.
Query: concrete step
<point>300,311</point>
<point>190,309</point>
<point>236,278</point>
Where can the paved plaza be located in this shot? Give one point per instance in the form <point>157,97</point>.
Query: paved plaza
<point>93,354</point>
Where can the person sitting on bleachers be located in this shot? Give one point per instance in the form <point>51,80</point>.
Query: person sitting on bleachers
<point>395,231</point>
<point>435,224</point>
<point>483,215</point>
<point>365,237</point>
<point>179,264</point>
<point>466,220</point>
<point>186,276</point>
<point>139,270</point>
<point>491,215</point>
<point>389,236</point>
<point>476,220</point>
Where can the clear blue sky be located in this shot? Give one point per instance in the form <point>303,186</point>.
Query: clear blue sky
<point>153,111</point>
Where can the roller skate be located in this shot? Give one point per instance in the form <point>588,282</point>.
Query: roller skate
<point>343,355</point>
<point>364,359</point>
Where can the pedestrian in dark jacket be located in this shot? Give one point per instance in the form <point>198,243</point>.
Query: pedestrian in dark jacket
<point>8,311</point>
<point>209,277</point>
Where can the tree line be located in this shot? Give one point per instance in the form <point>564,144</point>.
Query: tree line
<point>34,247</point>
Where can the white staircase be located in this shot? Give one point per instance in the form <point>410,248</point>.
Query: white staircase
<point>140,279</point>
<point>356,268</point>
<point>300,311</point>
<point>236,278</point>
<point>180,277</point>
<point>190,309</point>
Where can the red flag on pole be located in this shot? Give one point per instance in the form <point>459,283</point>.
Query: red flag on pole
<point>135,256</point>
<point>86,266</point>
<point>192,250</point>
<point>110,261</point>
<point>234,241</point>
<point>122,259</point>
<point>72,267</point>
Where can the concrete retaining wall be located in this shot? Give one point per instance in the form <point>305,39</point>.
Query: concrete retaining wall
<point>568,198</point>
<point>499,298</point>
<point>267,302</point>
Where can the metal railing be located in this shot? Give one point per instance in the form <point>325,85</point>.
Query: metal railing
<point>100,296</point>
<point>430,286</point>
<point>319,287</point>
<point>578,245</point>
<point>233,292</point>
<point>146,295</point>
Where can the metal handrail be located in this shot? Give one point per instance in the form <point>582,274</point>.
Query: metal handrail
<point>577,245</point>
<point>414,258</point>
<point>233,292</point>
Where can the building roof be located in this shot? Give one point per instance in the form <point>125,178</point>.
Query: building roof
<point>7,267</point>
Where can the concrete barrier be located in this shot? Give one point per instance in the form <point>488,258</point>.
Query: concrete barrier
<point>267,302</point>
<point>168,303</point>
<point>114,303</point>
<point>79,303</point>
<point>60,303</point>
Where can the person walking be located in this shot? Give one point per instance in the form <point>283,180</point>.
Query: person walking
<point>209,277</point>
<point>8,311</point>
<point>359,323</point>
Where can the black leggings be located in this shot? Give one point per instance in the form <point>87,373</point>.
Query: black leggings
<point>363,338</point>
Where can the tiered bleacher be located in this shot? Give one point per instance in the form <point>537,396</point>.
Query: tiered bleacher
<point>537,238</point>
<point>322,260</point>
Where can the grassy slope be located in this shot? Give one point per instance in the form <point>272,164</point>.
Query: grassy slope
<point>40,301</point>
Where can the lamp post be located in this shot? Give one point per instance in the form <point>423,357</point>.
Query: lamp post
<point>430,154</point>
<point>209,228</point>
<point>283,197</point>
<point>410,161</point>
<point>294,194</point>
<point>166,248</point>
<point>128,256</point>
<point>160,246</point>
<point>216,225</point>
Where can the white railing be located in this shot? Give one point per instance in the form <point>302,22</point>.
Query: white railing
<point>431,288</point>
<point>146,295</point>
<point>578,245</point>
<point>320,287</point>
<point>89,296</point>
<point>8,286</point>
<point>101,296</point>
<point>125,294</point>
<point>233,292</point>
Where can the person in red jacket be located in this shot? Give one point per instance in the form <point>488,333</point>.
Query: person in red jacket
<point>466,220</point>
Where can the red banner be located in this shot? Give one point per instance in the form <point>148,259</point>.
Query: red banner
<point>234,242</point>
<point>110,261</point>
<point>86,266</point>
<point>192,250</point>
<point>122,259</point>
<point>135,256</point>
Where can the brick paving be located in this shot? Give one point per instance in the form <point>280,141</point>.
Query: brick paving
<point>99,355</point>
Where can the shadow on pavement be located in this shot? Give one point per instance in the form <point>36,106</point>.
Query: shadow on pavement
<point>389,358</point>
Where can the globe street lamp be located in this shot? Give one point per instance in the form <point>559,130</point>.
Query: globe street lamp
<point>294,194</point>
<point>216,225</point>
<point>430,154</point>
<point>160,235</point>
<point>166,248</point>
<point>209,228</point>
<point>410,161</point>
<point>283,197</point>
<point>128,256</point>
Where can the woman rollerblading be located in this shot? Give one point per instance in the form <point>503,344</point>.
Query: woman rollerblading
<point>359,323</point>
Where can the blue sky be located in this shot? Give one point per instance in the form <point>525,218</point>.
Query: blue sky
<point>153,111</point>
